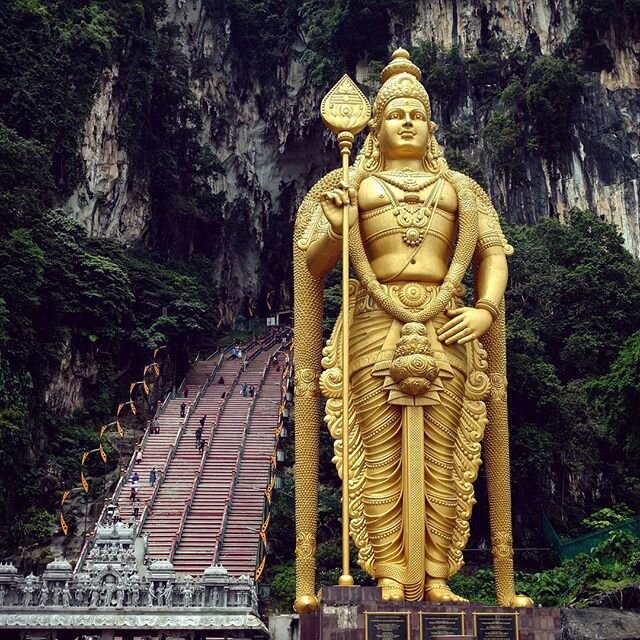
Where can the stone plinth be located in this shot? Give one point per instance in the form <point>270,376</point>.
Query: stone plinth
<point>342,615</point>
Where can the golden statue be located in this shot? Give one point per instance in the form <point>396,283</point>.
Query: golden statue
<point>426,378</point>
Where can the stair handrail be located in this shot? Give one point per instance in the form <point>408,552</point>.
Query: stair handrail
<point>161,476</point>
<point>194,486</point>
<point>183,518</point>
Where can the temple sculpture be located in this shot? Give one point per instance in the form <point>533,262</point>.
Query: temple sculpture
<point>426,377</point>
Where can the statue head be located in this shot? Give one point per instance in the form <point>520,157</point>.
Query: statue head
<point>401,90</point>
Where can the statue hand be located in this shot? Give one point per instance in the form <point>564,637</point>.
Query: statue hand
<point>466,324</point>
<point>332,203</point>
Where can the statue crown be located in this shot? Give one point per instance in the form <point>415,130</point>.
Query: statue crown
<point>400,79</point>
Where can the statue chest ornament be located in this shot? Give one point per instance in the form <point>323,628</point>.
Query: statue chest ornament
<point>412,213</point>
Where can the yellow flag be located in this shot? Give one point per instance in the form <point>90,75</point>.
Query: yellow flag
<point>83,482</point>
<point>132,387</point>
<point>133,408</point>
<point>119,409</point>
<point>65,495</point>
<point>103,454</point>
<point>120,429</point>
<point>63,524</point>
<point>145,386</point>
<point>85,455</point>
<point>103,428</point>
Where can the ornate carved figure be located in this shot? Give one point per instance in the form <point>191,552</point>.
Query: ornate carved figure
<point>151,594</point>
<point>426,372</point>
<point>187,594</point>
<point>95,595</point>
<point>168,594</point>
<point>66,596</point>
<point>120,594</point>
<point>44,594</point>
<point>135,593</point>
<point>28,590</point>
<point>79,594</point>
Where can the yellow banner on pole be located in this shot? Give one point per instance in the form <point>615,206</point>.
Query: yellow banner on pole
<point>83,482</point>
<point>103,453</point>
<point>119,409</point>
<point>120,429</point>
<point>65,495</point>
<point>63,524</point>
<point>103,428</point>
<point>85,455</point>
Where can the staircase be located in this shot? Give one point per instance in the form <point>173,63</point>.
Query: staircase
<point>157,447</point>
<point>209,506</point>
<point>199,541</point>
<point>241,540</point>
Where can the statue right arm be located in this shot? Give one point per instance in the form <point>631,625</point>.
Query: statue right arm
<point>323,253</point>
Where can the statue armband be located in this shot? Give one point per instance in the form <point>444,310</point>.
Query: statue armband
<point>487,240</point>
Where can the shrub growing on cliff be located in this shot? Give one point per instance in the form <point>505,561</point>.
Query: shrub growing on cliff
<point>552,95</point>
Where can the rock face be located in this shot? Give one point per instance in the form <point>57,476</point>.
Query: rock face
<point>600,624</point>
<point>273,147</point>
<point>109,202</point>
<point>67,391</point>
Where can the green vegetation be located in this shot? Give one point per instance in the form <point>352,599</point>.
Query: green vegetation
<point>263,33</point>
<point>527,102</point>
<point>579,582</point>
<point>64,296</point>
<point>534,111</point>
<point>569,324</point>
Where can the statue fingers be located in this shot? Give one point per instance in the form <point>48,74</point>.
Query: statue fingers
<point>457,334</point>
<point>467,338</point>
<point>453,325</point>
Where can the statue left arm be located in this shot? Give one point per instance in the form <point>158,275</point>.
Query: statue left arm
<point>469,323</point>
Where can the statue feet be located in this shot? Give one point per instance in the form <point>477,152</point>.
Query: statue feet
<point>391,590</point>
<point>437,590</point>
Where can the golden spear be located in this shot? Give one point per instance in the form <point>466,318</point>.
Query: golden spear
<point>346,111</point>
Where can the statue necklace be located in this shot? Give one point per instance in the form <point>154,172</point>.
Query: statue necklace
<point>412,215</point>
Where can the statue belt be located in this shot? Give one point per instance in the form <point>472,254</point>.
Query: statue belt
<point>411,295</point>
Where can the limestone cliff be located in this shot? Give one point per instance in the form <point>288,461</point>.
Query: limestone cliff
<point>267,135</point>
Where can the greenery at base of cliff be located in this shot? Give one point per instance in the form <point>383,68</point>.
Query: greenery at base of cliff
<point>577,582</point>
<point>62,296</point>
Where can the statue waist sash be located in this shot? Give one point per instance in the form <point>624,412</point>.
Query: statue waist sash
<point>410,295</point>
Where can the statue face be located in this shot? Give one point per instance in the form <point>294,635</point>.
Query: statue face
<point>404,130</point>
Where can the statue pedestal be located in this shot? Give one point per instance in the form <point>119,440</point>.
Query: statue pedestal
<point>359,613</point>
